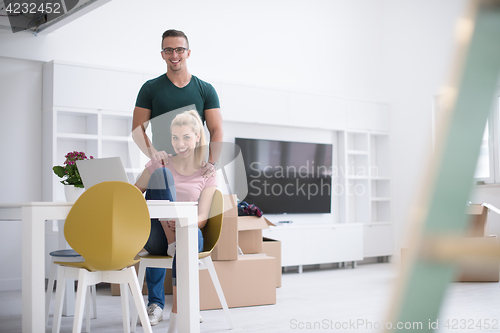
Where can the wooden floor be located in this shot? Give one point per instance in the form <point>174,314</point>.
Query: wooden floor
<point>318,300</point>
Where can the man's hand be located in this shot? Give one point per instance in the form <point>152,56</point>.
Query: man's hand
<point>209,170</point>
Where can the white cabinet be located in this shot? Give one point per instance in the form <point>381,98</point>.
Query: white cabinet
<point>292,244</point>
<point>368,116</point>
<point>254,105</point>
<point>377,240</point>
<point>246,104</point>
<point>318,244</point>
<point>317,111</point>
<point>90,88</point>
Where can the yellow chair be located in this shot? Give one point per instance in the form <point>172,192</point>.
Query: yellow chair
<point>108,225</point>
<point>211,234</point>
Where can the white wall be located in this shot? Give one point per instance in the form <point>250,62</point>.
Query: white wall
<point>419,46</point>
<point>320,45</point>
<point>20,151</point>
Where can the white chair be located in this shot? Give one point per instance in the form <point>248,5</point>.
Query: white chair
<point>211,234</point>
<point>68,255</point>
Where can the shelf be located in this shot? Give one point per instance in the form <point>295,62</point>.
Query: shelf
<point>72,122</point>
<point>357,152</point>
<point>114,138</point>
<point>75,111</point>
<point>376,224</point>
<point>79,137</point>
<point>357,141</point>
<point>381,211</point>
<point>381,199</point>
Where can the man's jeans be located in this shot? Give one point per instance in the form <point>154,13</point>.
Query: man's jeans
<point>161,187</point>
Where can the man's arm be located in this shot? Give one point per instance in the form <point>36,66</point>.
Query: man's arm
<point>139,123</point>
<point>213,117</point>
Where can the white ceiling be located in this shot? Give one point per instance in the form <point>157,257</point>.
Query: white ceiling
<point>83,7</point>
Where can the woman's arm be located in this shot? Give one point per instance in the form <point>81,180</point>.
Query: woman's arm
<point>204,204</point>
<point>142,180</point>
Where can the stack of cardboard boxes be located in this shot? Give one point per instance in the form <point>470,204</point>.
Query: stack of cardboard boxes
<point>247,279</point>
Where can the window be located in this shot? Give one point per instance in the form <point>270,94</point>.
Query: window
<point>488,164</point>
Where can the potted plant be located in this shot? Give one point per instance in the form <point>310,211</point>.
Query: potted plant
<point>70,175</point>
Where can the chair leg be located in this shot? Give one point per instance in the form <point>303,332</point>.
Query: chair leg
<point>60,291</point>
<point>138,300</point>
<point>125,307</point>
<point>87,310</point>
<point>80,300</point>
<point>94,301</point>
<point>50,288</point>
<point>213,275</point>
<point>140,279</point>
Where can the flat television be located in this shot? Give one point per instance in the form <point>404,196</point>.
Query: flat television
<point>286,177</point>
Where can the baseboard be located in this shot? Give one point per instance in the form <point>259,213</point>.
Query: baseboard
<point>10,284</point>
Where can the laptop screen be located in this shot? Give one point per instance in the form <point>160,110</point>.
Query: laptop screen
<point>100,170</point>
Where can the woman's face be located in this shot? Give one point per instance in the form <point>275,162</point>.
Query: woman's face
<point>184,140</point>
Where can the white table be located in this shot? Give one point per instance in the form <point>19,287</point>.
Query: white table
<point>33,216</point>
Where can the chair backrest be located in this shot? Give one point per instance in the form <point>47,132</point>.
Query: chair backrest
<point>211,230</point>
<point>108,225</point>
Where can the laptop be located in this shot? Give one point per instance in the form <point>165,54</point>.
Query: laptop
<point>100,170</point>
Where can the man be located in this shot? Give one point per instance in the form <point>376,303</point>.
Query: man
<point>168,95</point>
<point>174,92</point>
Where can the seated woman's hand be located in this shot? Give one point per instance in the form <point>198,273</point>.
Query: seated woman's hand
<point>171,224</point>
<point>161,157</point>
<point>153,164</point>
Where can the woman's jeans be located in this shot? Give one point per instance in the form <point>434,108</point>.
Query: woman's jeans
<point>161,187</point>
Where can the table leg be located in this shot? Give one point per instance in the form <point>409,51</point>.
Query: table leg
<point>188,301</point>
<point>69,296</point>
<point>33,270</point>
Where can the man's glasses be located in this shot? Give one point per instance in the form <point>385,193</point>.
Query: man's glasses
<point>178,50</point>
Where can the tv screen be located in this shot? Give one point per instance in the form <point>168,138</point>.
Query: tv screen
<point>287,177</point>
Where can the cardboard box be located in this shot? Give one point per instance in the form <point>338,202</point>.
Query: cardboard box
<point>250,233</point>
<point>242,231</point>
<point>272,248</point>
<point>227,247</point>
<point>480,270</point>
<point>478,226</point>
<point>248,281</point>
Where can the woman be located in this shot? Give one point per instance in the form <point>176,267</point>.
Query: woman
<point>185,168</point>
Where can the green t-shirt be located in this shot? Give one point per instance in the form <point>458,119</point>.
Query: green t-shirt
<point>166,100</point>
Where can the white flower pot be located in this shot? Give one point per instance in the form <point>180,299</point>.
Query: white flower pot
<point>72,193</point>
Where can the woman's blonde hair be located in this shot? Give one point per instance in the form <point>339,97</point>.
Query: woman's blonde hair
<point>192,118</point>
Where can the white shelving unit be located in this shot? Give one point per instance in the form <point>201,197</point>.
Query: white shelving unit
<point>364,163</point>
<point>378,238</point>
<point>82,113</point>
